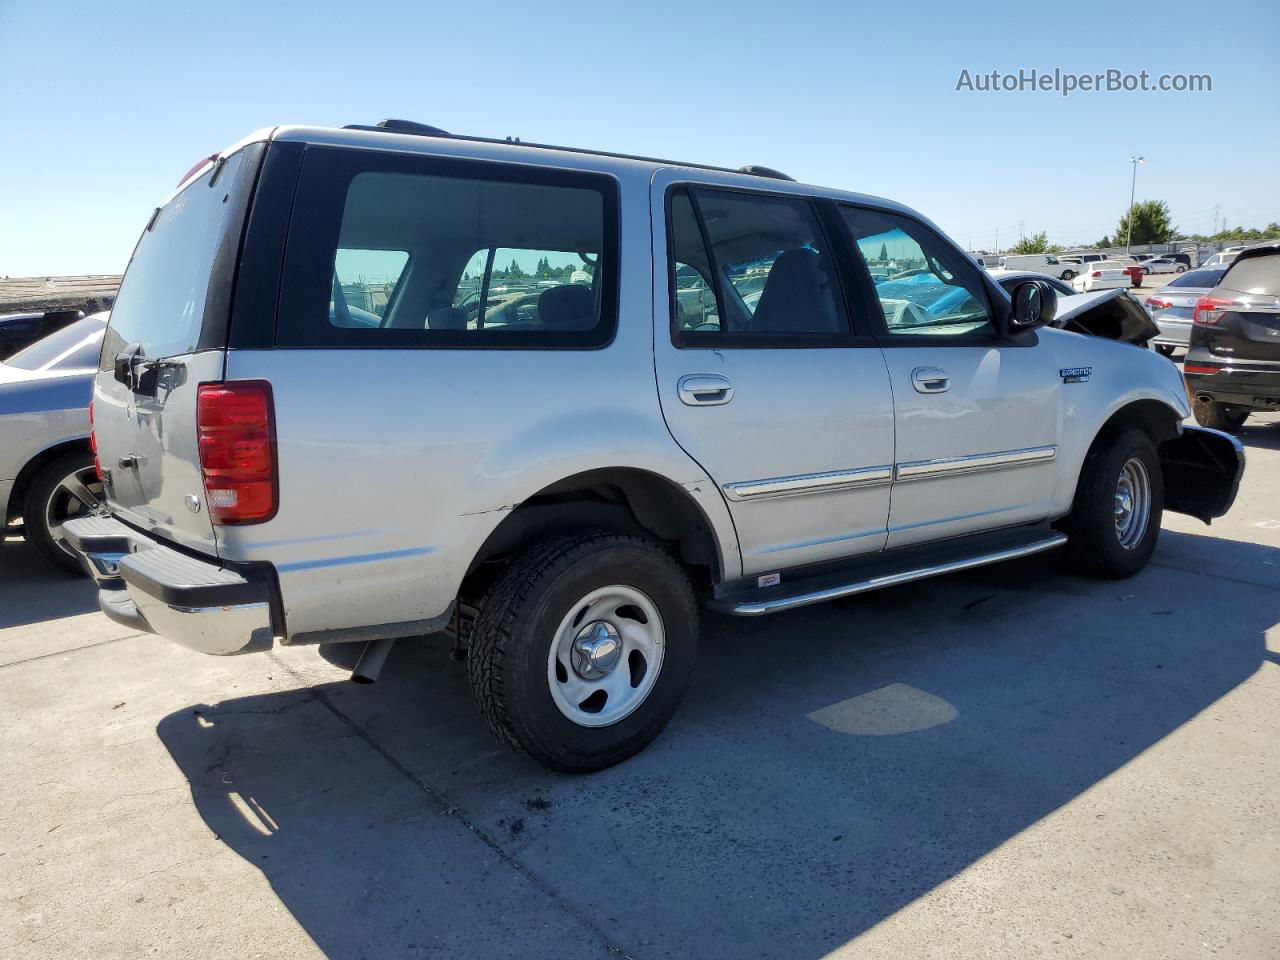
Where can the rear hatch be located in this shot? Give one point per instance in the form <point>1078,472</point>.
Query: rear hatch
<point>167,335</point>
<point>1240,318</point>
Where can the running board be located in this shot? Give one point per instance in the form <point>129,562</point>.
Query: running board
<point>889,570</point>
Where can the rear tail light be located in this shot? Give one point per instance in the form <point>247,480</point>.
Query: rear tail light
<point>93,445</point>
<point>1204,369</point>
<point>1097,273</point>
<point>235,425</point>
<point>1209,310</point>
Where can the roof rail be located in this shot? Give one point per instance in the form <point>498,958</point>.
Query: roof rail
<point>756,170</point>
<point>413,128</point>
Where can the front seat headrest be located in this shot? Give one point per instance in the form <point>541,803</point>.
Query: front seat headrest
<point>570,306</point>
<point>796,296</point>
<point>446,318</point>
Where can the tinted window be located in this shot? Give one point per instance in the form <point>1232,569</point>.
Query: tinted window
<point>410,251</point>
<point>74,347</point>
<point>751,265</point>
<point>162,299</point>
<point>1197,278</point>
<point>931,288</point>
<point>1259,275</point>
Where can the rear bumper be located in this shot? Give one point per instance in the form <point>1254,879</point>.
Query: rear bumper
<point>1174,333</point>
<point>1253,389</point>
<point>195,602</point>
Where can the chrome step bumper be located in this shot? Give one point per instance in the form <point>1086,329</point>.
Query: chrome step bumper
<point>889,570</point>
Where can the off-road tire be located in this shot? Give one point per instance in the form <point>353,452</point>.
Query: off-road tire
<point>515,626</point>
<point>1219,416</point>
<point>34,526</point>
<point>1093,545</point>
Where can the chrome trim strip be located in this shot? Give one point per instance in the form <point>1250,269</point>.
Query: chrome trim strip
<point>809,483</point>
<point>757,608</point>
<point>953,466</point>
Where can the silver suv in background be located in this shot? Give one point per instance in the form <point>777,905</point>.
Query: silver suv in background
<point>597,390</point>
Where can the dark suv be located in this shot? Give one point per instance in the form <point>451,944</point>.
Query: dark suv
<point>1233,364</point>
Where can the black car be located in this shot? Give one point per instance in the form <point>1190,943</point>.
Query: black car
<point>1233,364</point>
<point>17,330</point>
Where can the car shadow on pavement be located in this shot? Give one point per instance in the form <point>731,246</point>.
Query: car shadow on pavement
<point>829,767</point>
<point>33,590</point>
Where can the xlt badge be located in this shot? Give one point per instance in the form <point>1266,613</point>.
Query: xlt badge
<point>1076,374</point>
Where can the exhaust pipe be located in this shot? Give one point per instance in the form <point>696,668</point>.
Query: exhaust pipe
<point>371,660</point>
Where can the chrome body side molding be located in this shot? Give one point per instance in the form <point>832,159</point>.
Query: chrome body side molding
<point>952,466</point>
<point>809,483</point>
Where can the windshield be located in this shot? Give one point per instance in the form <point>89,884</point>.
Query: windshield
<point>74,347</point>
<point>1198,278</point>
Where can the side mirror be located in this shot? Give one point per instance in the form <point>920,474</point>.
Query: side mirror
<point>1035,304</point>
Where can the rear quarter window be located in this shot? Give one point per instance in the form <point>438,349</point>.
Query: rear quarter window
<point>390,250</point>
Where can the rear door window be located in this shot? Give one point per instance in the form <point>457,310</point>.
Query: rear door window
<point>390,250</point>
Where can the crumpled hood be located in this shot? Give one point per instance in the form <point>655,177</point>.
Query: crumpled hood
<point>1111,314</point>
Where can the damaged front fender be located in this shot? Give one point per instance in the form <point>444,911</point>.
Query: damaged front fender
<point>1202,470</point>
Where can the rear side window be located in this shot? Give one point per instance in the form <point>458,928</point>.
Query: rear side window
<point>751,265</point>
<point>388,250</point>
<point>1260,275</point>
<point>1197,278</point>
<point>165,303</point>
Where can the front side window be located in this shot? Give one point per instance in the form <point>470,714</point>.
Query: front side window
<point>930,289</point>
<point>746,265</point>
<point>405,251</point>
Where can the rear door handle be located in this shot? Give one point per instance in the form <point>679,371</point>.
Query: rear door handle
<point>930,380</point>
<point>704,389</point>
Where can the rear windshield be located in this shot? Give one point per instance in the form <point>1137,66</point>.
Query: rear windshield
<point>163,299</point>
<point>1255,275</point>
<point>1197,278</point>
<point>401,251</point>
<point>74,347</point>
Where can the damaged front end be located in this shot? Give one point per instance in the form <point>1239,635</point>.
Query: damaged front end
<point>1202,470</point>
<point>1111,314</point>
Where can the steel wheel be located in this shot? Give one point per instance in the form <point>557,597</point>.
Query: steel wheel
<point>78,494</point>
<point>1133,503</point>
<point>606,656</point>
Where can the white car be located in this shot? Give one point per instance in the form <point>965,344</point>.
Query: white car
<point>1043,263</point>
<point>1163,265</point>
<point>1219,260</point>
<point>561,490</point>
<point>1103,275</point>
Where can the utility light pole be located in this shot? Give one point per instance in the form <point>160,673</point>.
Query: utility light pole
<point>1132,185</point>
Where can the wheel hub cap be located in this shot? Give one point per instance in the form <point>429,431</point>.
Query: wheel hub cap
<point>1132,504</point>
<point>596,650</point>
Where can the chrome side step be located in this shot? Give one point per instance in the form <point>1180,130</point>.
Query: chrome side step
<point>888,572</point>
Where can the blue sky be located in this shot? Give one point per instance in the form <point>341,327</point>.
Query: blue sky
<point>860,96</point>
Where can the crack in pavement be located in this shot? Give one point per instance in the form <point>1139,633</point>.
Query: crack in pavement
<point>60,653</point>
<point>453,810</point>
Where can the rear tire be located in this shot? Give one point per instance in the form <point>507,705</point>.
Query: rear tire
<point>1165,350</point>
<point>541,627</point>
<point>1219,416</point>
<point>50,501</point>
<point>1068,275</point>
<point>1115,520</point>
<point>1179,269</point>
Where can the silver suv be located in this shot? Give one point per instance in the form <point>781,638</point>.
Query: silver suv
<point>383,382</point>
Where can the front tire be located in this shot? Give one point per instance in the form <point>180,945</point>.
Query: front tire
<point>1115,520</point>
<point>1179,269</point>
<point>61,490</point>
<point>583,649</point>
<point>1219,416</point>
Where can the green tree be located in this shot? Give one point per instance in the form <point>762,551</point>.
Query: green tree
<point>1036,243</point>
<point>884,253</point>
<point>1151,224</point>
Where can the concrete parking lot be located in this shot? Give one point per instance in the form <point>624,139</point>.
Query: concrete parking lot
<point>1013,762</point>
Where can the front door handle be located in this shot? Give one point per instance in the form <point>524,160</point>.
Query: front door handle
<point>930,380</point>
<point>704,389</point>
